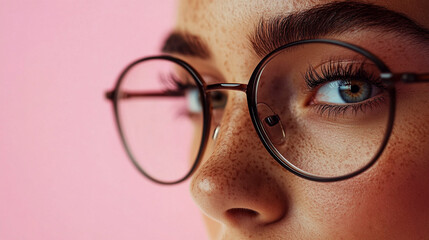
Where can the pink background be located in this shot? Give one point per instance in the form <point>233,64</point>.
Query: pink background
<point>63,172</point>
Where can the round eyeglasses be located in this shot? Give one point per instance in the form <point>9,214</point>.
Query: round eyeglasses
<point>323,109</point>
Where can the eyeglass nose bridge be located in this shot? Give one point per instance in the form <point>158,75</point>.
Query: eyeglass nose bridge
<point>271,121</point>
<point>227,86</point>
<point>224,86</point>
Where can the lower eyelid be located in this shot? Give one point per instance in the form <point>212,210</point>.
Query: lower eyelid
<point>330,110</point>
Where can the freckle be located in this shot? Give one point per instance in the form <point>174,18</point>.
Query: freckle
<point>216,40</point>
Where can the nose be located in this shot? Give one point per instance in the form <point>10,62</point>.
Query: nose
<point>238,183</point>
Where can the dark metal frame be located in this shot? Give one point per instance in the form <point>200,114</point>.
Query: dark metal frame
<point>250,89</point>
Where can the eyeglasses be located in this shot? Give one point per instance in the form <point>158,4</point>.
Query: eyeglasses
<point>324,110</point>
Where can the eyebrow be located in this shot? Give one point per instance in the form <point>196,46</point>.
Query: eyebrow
<point>186,44</point>
<point>332,18</point>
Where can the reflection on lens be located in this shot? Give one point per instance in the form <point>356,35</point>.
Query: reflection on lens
<point>331,105</point>
<point>160,118</point>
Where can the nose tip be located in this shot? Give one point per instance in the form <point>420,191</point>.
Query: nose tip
<point>242,199</point>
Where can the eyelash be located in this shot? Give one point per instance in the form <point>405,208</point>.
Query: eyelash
<point>334,71</point>
<point>173,84</point>
<point>335,110</point>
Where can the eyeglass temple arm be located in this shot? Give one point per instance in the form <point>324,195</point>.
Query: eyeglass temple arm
<point>110,94</point>
<point>220,86</point>
<point>408,77</point>
<point>403,77</point>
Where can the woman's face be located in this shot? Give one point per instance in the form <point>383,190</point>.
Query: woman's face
<point>244,193</point>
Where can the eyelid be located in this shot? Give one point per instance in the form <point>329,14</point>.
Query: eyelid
<point>206,69</point>
<point>343,60</point>
<point>210,79</point>
<point>340,59</point>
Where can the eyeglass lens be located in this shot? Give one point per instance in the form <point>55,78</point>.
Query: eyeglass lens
<point>159,114</point>
<point>323,108</point>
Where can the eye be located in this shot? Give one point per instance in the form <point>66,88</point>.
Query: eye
<point>346,92</point>
<point>190,102</point>
<point>218,99</point>
<point>193,101</point>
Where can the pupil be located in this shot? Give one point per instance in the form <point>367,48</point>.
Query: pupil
<point>355,89</point>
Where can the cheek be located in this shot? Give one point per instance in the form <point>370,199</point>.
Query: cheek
<point>390,199</point>
<point>383,204</point>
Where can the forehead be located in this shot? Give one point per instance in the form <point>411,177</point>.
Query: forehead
<point>218,12</point>
<point>225,26</point>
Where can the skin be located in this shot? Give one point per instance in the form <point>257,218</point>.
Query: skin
<point>245,194</point>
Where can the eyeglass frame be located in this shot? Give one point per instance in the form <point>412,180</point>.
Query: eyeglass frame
<point>388,78</point>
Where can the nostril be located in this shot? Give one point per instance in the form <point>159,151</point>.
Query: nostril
<point>241,215</point>
<point>242,212</point>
